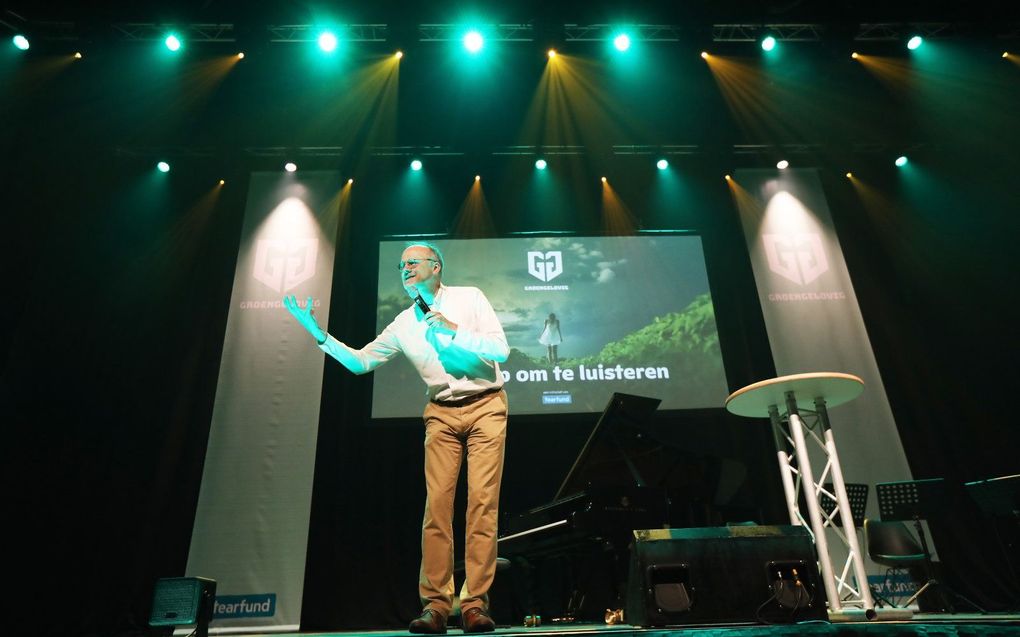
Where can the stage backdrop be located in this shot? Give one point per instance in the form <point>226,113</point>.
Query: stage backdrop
<point>813,321</point>
<point>251,526</point>
<point>634,313</point>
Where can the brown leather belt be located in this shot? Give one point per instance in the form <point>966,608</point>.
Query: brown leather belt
<point>460,402</point>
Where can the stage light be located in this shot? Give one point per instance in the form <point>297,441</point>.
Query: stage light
<point>704,55</point>
<point>327,41</point>
<point>478,177</point>
<point>222,182</point>
<point>603,180</point>
<point>782,164</point>
<point>622,42</point>
<point>290,166</point>
<point>662,164</point>
<point>240,55</point>
<point>849,175</point>
<point>728,178</point>
<point>350,181</point>
<point>540,164</point>
<point>77,55</point>
<point>473,41</point>
<point>163,167</point>
<point>768,43</point>
<point>172,42</point>
<point>552,53</point>
<point>20,41</point>
<point>398,54</point>
<point>915,42</point>
<point>1005,54</point>
<point>855,55</point>
<point>416,164</point>
<point>901,161</point>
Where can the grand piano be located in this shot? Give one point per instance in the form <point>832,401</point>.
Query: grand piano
<point>569,555</point>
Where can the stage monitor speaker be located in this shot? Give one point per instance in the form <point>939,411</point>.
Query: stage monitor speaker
<point>721,575</point>
<point>181,601</point>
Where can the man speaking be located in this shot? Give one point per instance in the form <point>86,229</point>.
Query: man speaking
<point>453,338</point>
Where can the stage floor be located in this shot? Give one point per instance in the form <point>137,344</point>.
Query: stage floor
<point>921,624</point>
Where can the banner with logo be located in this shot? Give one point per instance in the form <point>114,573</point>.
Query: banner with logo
<point>584,317</point>
<point>251,525</point>
<point>814,323</point>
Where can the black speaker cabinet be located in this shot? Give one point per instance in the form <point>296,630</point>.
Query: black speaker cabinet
<point>721,575</point>
<point>180,601</point>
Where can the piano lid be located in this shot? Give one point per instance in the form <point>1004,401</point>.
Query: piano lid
<point>621,449</point>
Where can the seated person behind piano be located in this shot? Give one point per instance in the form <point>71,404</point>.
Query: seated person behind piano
<point>456,346</point>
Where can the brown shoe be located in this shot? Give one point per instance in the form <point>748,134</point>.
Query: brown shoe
<point>431,622</point>
<point>476,620</point>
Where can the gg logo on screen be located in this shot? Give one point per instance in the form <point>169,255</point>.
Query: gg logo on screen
<point>545,266</point>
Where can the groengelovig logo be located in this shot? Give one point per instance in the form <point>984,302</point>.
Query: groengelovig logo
<point>798,257</point>
<point>545,266</point>
<point>283,264</point>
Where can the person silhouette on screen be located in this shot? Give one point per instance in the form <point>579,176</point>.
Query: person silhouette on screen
<point>453,338</point>
<point>551,338</point>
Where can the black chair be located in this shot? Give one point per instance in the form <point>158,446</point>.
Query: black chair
<point>892,545</point>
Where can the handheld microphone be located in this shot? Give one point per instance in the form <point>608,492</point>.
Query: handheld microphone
<point>422,305</point>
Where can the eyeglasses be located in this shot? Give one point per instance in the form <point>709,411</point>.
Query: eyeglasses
<point>413,263</point>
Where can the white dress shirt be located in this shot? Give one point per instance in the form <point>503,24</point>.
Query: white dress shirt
<point>452,366</point>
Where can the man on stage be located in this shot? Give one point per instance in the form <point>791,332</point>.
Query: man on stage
<point>453,338</point>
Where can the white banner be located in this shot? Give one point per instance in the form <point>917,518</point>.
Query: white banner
<point>251,525</point>
<point>811,314</point>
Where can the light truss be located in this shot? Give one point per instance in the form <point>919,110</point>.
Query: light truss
<point>891,32</point>
<point>310,32</point>
<point>152,32</point>
<point>661,149</point>
<point>535,151</point>
<point>493,32</point>
<point>414,151</point>
<point>755,32</point>
<point>637,32</point>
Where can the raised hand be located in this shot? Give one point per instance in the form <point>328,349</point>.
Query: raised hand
<point>305,316</point>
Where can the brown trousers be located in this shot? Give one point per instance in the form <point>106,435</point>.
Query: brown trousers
<point>480,429</point>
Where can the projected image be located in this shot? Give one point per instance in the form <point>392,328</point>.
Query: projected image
<point>584,317</point>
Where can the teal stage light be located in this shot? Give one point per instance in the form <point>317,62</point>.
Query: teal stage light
<point>416,164</point>
<point>540,164</point>
<point>20,41</point>
<point>473,41</point>
<point>768,43</point>
<point>901,161</point>
<point>163,167</point>
<point>290,166</point>
<point>662,164</point>
<point>915,42</point>
<point>327,41</point>
<point>621,42</point>
<point>172,42</point>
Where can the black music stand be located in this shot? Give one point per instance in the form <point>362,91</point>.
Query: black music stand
<point>1000,498</point>
<point>916,500</point>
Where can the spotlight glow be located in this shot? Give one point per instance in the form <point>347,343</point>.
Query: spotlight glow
<point>350,181</point>
<point>222,182</point>
<point>77,55</point>
<point>398,54</point>
<point>704,55</point>
<point>603,180</point>
<point>20,41</point>
<point>782,164</point>
<point>768,43</point>
<point>901,161</point>
<point>172,42</point>
<point>290,166</point>
<point>622,42</point>
<point>915,42</point>
<point>662,164</point>
<point>240,55</point>
<point>849,175</point>
<point>540,164</point>
<point>163,167</point>
<point>473,41</point>
<point>416,164</point>
<point>327,41</point>
<point>552,53</point>
<point>855,55</point>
